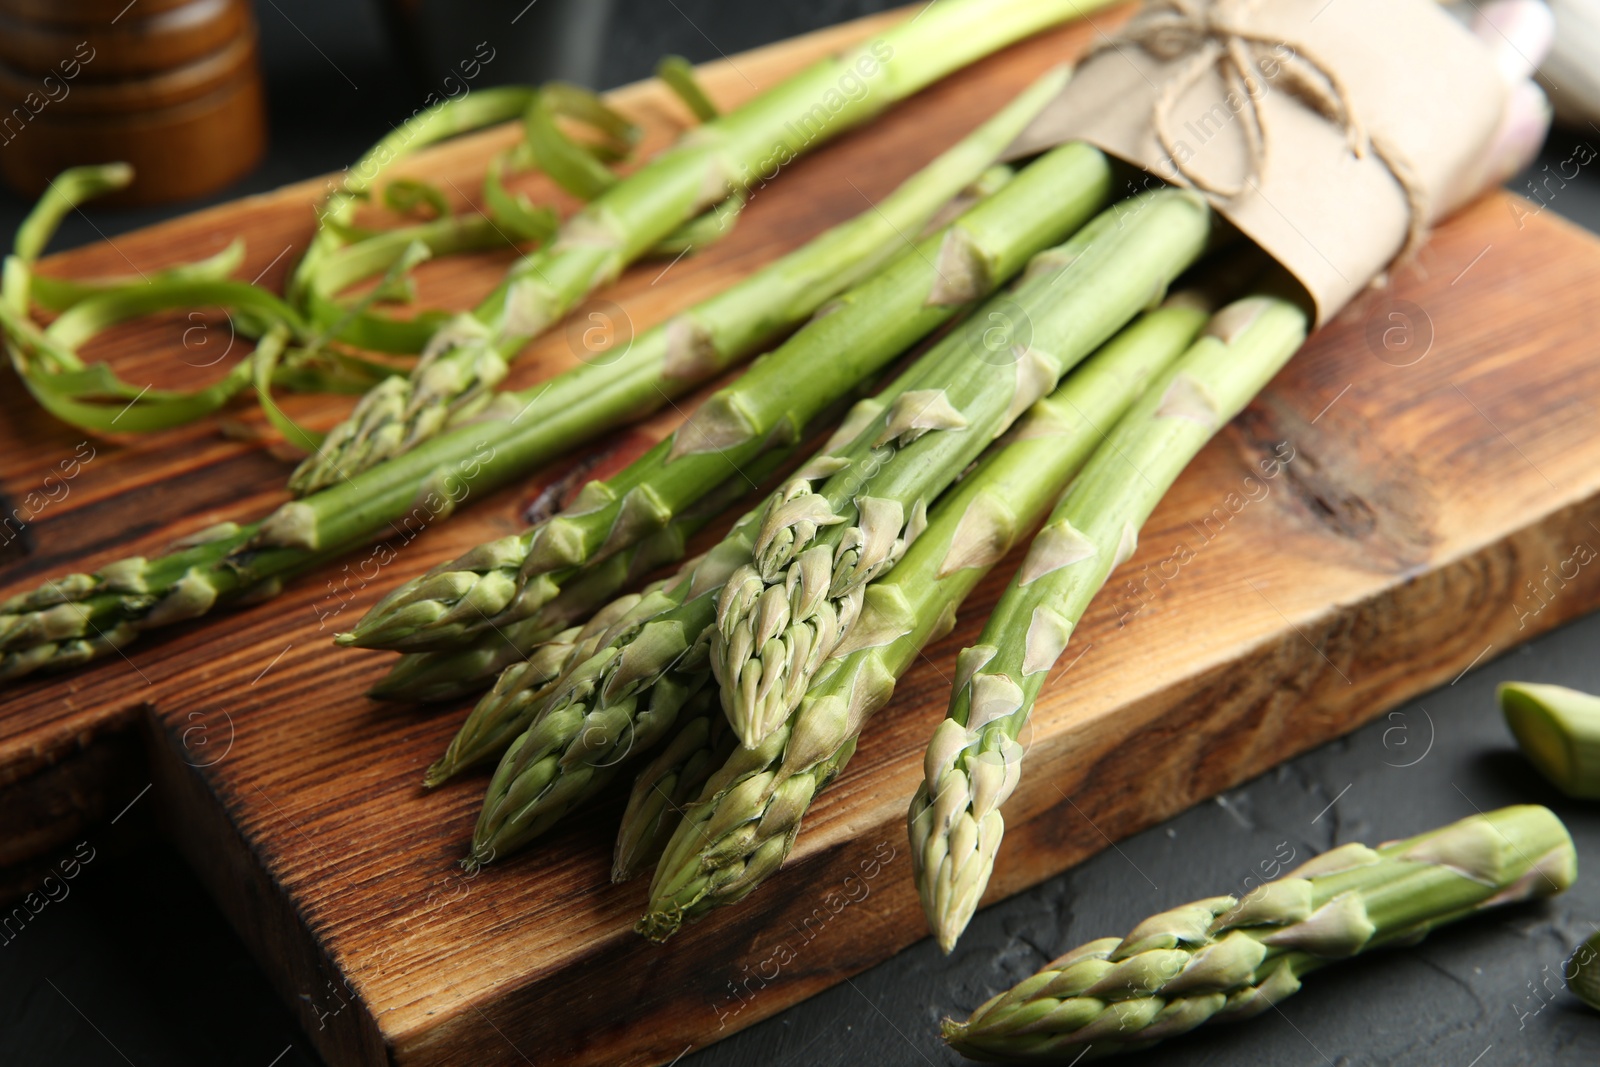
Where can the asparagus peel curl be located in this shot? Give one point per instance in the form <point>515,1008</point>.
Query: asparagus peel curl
<point>974,759</point>
<point>748,813</point>
<point>1074,304</point>
<point>1227,958</point>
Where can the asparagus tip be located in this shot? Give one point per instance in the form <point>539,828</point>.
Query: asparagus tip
<point>345,640</point>
<point>659,925</point>
<point>438,774</point>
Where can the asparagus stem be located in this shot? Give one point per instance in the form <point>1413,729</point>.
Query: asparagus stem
<point>496,585</point>
<point>724,157</point>
<point>1558,729</point>
<point>1226,958</point>
<point>974,760</point>
<point>749,811</point>
<point>817,549</point>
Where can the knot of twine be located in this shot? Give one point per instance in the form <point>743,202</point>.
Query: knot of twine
<point>1215,35</point>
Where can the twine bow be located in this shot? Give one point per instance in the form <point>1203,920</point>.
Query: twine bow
<point>1216,35</point>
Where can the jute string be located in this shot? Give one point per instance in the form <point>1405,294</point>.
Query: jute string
<point>1216,35</point>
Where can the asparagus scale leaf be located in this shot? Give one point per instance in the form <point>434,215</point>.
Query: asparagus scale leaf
<point>974,760</point>
<point>747,815</point>
<point>1227,958</point>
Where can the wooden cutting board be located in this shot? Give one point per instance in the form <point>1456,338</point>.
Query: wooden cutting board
<point>1440,506</point>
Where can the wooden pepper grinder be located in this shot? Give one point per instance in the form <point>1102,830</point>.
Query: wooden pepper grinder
<point>171,86</point>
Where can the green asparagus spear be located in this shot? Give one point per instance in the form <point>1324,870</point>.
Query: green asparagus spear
<point>749,812</point>
<point>498,718</point>
<point>974,759</point>
<point>468,357</point>
<point>817,549</point>
<point>1558,729</point>
<point>1224,958</point>
<point>513,577</point>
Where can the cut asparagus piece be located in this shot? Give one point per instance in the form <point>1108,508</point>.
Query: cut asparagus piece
<point>1224,958</point>
<point>861,332</point>
<point>1558,729</point>
<point>467,358</point>
<point>974,760</point>
<point>1583,972</point>
<point>817,549</point>
<point>748,814</point>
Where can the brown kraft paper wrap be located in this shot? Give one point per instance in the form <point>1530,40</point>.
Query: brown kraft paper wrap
<point>1357,117</point>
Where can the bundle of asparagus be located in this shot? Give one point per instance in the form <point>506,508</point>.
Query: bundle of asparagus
<point>1225,958</point>
<point>735,835</point>
<point>466,358</point>
<point>490,607</point>
<point>748,812</point>
<point>780,616</point>
<point>503,582</point>
<point>1077,296</point>
<point>974,760</point>
<point>78,617</point>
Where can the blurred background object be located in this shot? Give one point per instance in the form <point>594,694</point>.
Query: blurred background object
<point>442,39</point>
<point>170,86</point>
<point>1571,75</point>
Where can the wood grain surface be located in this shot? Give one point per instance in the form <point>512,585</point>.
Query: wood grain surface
<point>1440,506</point>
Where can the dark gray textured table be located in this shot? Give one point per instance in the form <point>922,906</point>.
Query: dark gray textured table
<point>136,965</point>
